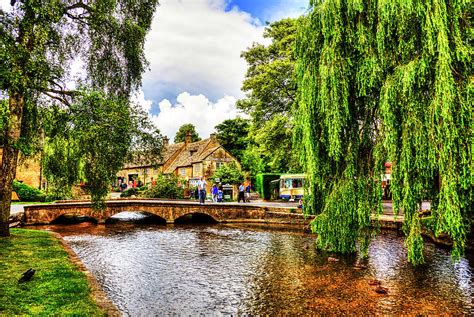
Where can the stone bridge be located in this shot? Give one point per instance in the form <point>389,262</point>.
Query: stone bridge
<point>170,211</point>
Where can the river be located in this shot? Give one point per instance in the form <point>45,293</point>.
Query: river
<point>230,270</point>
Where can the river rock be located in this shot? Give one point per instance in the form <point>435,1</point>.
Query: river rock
<point>374,282</point>
<point>331,259</point>
<point>359,266</point>
<point>381,290</point>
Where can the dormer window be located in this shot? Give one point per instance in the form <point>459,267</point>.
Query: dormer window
<point>192,152</point>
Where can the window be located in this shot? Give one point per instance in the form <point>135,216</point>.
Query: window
<point>219,164</point>
<point>182,171</point>
<point>197,169</point>
<point>291,183</point>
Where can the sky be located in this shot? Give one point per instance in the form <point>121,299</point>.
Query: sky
<point>193,48</point>
<point>194,51</point>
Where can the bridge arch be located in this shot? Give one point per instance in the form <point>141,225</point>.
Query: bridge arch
<point>195,217</point>
<point>136,216</point>
<point>73,218</point>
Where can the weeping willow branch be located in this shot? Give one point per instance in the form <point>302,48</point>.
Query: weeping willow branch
<point>386,81</point>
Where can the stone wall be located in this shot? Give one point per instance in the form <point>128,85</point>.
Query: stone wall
<point>170,211</point>
<point>28,170</point>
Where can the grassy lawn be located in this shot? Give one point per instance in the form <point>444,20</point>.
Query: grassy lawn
<point>57,288</point>
<point>32,202</point>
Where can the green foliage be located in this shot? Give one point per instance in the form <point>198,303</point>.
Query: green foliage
<point>232,135</point>
<point>184,130</point>
<point>275,146</point>
<point>57,288</point>
<point>3,119</point>
<point>262,184</point>
<point>229,174</point>
<point>270,82</point>
<point>39,40</point>
<point>130,192</point>
<point>167,186</point>
<point>271,94</point>
<point>28,193</point>
<point>386,81</point>
<point>61,165</point>
<point>92,141</point>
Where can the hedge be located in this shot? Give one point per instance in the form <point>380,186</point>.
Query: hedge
<point>28,193</point>
<point>262,184</point>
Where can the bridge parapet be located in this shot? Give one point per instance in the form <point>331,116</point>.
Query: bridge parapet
<point>168,210</point>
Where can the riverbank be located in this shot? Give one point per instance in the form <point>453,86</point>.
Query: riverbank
<point>59,286</point>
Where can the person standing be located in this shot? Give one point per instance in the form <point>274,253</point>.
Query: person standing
<point>215,191</point>
<point>247,192</point>
<point>202,190</point>
<point>241,193</point>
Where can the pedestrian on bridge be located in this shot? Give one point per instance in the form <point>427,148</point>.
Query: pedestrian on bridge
<point>202,190</point>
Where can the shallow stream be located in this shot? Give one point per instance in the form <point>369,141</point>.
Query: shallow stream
<point>216,269</point>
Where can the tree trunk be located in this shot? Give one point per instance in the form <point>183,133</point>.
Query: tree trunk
<point>10,159</point>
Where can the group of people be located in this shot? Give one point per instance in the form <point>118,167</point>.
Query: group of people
<point>216,192</point>
<point>122,184</point>
<point>244,193</point>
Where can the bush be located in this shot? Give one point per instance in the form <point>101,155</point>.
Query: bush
<point>130,192</point>
<point>28,193</point>
<point>229,174</point>
<point>166,187</point>
<point>262,184</point>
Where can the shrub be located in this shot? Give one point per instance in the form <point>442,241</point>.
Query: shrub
<point>167,186</point>
<point>262,184</point>
<point>229,174</point>
<point>129,192</point>
<point>28,193</point>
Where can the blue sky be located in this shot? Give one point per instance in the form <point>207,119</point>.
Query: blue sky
<point>194,50</point>
<point>265,10</point>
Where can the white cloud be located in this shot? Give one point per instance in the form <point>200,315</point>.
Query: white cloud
<point>5,5</point>
<point>195,46</point>
<point>196,109</point>
<point>138,98</point>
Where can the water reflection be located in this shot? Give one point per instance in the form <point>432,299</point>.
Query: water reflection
<point>190,270</point>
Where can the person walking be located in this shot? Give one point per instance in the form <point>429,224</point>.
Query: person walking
<point>241,193</point>
<point>215,191</point>
<point>247,192</point>
<point>202,190</point>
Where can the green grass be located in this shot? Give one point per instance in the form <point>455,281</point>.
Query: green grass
<point>57,288</point>
<point>32,202</point>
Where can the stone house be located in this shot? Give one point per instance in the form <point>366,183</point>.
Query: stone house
<point>188,160</point>
<point>28,171</point>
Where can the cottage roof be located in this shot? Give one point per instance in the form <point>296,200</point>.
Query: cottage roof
<point>168,152</point>
<point>191,153</point>
<point>182,154</point>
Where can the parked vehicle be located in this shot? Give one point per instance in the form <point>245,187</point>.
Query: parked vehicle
<point>290,186</point>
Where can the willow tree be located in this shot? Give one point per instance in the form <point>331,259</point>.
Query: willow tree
<point>386,80</point>
<point>40,40</point>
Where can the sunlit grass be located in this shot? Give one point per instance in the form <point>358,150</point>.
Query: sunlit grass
<point>32,202</point>
<point>57,288</point>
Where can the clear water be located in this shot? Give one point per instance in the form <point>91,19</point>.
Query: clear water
<point>231,270</point>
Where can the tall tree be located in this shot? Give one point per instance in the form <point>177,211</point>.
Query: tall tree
<point>386,80</point>
<point>184,130</point>
<point>271,92</point>
<point>40,39</point>
<point>232,135</point>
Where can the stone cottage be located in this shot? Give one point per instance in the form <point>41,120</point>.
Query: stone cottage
<point>189,160</point>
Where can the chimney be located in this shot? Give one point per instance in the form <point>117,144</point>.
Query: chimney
<point>188,138</point>
<point>166,141</point>
<point>213,137</point>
